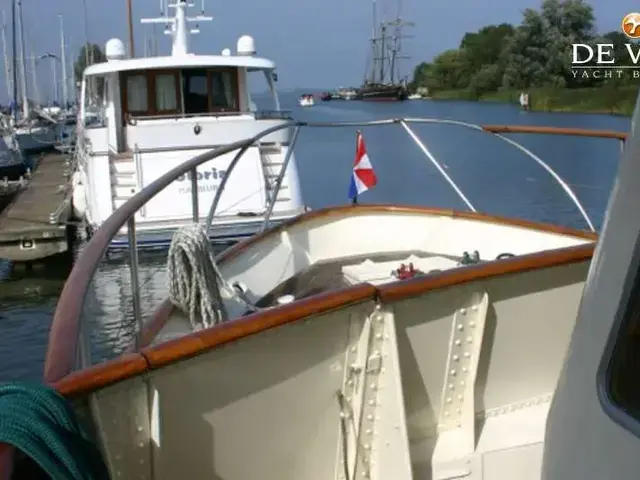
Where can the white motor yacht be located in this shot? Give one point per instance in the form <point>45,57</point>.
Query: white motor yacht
<point>161,111</point>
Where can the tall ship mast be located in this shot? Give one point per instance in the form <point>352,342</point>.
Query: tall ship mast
<point>383,81</point>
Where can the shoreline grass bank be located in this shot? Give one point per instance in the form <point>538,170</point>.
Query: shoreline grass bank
<point>610,100</point>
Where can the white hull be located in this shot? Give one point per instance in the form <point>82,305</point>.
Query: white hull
<point>441,381</point>
<point>307,102</point>
<point>243,203</point>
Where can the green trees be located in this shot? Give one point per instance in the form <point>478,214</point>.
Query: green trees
<point>89,54</point>
<point>534,54</point>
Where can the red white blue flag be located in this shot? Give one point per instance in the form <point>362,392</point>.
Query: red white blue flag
<point>363,177</point>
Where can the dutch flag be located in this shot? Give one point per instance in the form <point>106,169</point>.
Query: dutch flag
<point>363,177</point>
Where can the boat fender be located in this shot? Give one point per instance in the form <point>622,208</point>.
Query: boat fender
<point>505,255</point>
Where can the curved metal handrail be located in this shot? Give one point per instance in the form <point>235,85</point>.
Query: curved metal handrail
<point>66,328</point>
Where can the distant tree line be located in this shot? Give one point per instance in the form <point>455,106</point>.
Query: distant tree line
<point>535,54</point>
<point>89,54</point>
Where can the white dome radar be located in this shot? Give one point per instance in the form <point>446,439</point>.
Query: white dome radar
<point>246,45</point>
<point>115,50</point>
<point>226,52</point>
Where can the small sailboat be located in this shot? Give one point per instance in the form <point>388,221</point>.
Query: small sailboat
<point>32,130</point>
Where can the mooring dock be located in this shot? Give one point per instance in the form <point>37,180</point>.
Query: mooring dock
<point>34,225</point>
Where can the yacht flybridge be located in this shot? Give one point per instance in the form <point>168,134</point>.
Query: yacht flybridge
<point>159,112</point>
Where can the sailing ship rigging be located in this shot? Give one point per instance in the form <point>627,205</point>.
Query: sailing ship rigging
<point>383,80</point>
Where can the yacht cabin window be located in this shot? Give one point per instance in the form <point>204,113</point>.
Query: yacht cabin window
<point>222,85</point>
<point>196,92</point>
<point>186,92</point>
<point>166,88</point>
<point>137,94</point>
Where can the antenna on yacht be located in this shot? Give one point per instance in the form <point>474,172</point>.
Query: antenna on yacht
<point>177,26</point>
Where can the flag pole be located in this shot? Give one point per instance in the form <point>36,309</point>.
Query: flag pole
<point>354,201</point>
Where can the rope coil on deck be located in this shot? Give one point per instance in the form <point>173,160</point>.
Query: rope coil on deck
<point>196,283</point>
<point>193,277</point>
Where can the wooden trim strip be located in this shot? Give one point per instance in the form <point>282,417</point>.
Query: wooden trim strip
<point>200,342</point>
<point>163,312</point>
<point>576,132</point>
<point>204,340</point>
<point>102,375</point>
<point>396,291</point>
<point>63,338</point>
<point>66,326</point>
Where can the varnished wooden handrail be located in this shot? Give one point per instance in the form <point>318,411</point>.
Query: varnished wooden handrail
<point>64,335</point>
<point>197,343</point>
<point>161,315</point>
<point>397,291</point>
<point>200,342</point>
<point>65,328</point>
<point>576,132</point>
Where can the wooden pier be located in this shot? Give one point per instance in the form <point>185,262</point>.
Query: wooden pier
<point>34,225</point>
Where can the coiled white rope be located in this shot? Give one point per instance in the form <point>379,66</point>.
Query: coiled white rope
<point>193,277</point>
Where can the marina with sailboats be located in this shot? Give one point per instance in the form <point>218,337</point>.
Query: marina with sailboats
<point>35,172</point>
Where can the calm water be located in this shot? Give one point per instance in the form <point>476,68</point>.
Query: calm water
<point>494,176</point>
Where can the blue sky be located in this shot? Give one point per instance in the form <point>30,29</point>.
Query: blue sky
<point>315,43</point>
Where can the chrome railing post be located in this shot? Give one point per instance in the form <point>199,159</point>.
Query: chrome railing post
<point>278,183</point>
<point>435,163</point>
<point>83,352</point>
<point>194,195</point>
<point>135,284</point>
<point>223,184</point>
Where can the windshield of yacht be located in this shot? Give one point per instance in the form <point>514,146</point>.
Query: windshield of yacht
<point>166,93</point>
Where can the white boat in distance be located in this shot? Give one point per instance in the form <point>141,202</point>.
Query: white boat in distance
<point>162,111</point>
<point>363,341</point>
<point>307,101</point>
